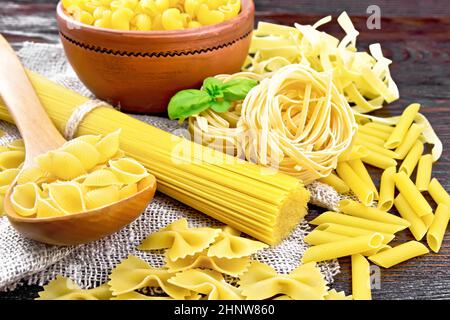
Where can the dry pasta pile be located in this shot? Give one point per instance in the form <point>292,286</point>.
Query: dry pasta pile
<point>363,78</point>
<point>86,173</point>
<point>294,121</point>
<point>201,263</point>
<point>146,15</point>
<point>363,231</point>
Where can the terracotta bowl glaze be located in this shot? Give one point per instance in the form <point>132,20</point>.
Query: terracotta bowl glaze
<point>141,71</point>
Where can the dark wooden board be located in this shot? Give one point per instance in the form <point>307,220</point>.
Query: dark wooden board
<point>414,34</point>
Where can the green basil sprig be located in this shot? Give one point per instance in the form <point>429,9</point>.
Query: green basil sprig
<point>215,94</point>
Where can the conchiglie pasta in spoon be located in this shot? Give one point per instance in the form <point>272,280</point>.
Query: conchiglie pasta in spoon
<point>67,192</point>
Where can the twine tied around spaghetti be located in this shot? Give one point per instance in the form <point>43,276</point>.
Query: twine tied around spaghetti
<point>80,113</point>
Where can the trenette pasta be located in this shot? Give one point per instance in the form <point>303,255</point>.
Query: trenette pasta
<point>342,248</point>
<point>361,286</point>
<point>398,254</point>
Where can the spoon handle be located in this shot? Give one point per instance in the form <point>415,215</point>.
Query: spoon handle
<point>35,126</point>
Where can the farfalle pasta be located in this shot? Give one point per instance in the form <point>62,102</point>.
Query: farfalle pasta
<point>206,282</point>
<point>230,266</point>
<point>86,173</point>
<point>134,273</point>
<point>63,288</point>
<point>230,245</point>
<point>304,283</point>
<point>180,240</point>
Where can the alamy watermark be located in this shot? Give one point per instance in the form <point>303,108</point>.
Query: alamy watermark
<point>374,20</point>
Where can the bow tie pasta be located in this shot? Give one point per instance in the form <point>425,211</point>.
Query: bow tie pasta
<point>86,173</point>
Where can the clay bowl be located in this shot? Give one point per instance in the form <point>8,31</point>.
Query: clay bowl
<point>141,71</point>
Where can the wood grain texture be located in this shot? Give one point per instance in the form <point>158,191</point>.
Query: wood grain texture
<point>415,34</point>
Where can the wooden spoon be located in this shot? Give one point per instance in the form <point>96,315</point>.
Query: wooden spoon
<point>41,136</point>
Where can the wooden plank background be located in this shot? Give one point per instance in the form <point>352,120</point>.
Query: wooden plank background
<point>415,34</point>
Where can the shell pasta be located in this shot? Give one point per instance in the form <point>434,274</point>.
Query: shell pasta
<point>86,173</point>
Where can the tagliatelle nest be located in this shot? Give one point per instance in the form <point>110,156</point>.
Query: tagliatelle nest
<point>294,121</point>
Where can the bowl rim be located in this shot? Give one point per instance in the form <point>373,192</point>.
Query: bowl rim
<point>247,7</point>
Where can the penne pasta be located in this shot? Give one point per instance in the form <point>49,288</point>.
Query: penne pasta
<point>376,148</point>
<point>318,237</point>
<point>424,169</point>
<point>428,220</point>
<point>337,183</point>
<point>357,152</point>
<point>357,209</point>
<point>387,189</point>
<point>343,219</point>
<point>361,289</point>
<point>378,160</point>
<point>412,194</point>
<point>372,252</point>
<point>400,130</point>
<point>417,227</point>
<point>438,193</point>
<point>373,132</point>
<point>407,143</point>
<point>437,229</point>
<point>398,254</point>
<point>351,231</point>
<point>356,184</point>
<point>381,127</point>
<point>342,248</point>
<point>374,140</point>
<point>412,158</point>
<point>359,168</point>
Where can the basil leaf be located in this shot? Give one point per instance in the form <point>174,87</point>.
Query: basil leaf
<point>213,86</point>
<point>186,103</point>
<point>237,89</point>
<point>220,106</point>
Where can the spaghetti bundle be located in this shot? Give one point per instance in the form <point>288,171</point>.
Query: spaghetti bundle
<point>294,121</point>
<point>234,192</point>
